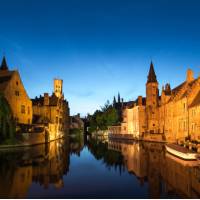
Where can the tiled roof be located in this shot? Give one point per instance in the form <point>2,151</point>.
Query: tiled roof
<point>185,91</point>
<point>130,104</point>
<point>5,77</point>
<point>196,100</point>
<point>178,88</point>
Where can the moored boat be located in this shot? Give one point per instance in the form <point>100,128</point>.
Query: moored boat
<point>181,152</point>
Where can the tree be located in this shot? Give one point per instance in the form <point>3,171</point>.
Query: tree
<point>7,125</point>
<point>103,118</point>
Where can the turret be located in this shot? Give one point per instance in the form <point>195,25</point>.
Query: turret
<point>166,93</point>
<point>4,66</point>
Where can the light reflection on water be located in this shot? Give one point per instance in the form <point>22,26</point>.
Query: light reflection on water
<point>73,169</point>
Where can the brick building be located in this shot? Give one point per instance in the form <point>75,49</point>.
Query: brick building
<point>53,111</point>
<point>12,89</point>
<point>174,115</point>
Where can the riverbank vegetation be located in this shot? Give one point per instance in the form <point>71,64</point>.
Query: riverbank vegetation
<point>101,119</point>
<point>7,124</point>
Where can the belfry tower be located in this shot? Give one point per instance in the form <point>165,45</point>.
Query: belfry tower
<point>58,84</point>
<point>152,97</point>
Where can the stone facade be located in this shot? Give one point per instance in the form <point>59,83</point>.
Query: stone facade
<point>172,116</point>
<point>134,118</point>
<point>179,110</point>
<point>76,122</point>
<point>13,90</point>
<point>53,111</point>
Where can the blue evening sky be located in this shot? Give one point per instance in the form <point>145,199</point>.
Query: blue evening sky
<point>99,47</point>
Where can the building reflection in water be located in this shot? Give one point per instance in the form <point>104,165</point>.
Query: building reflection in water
<point>166,175</point>
<point>43,164</point>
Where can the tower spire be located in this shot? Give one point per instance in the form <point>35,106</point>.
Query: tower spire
<point>151,75</point>
<point>4,65</point>
<point>119,99</point>
<point>114,100</point>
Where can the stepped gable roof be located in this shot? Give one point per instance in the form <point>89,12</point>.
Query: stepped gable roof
<point>38,101</point>
<point>152,75</point>
<point>196,101</point>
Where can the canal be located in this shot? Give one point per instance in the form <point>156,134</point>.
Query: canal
<point>74,168</point>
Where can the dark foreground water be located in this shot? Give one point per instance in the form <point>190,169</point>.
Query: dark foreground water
<point>73,168</point>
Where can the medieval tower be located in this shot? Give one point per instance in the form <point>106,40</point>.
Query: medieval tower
<point>58,84</point>
<point>152,97</point>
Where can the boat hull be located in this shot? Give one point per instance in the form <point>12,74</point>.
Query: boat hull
<point>183,155</point>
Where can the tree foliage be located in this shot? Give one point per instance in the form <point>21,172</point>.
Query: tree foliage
<point>7,124</point>
<point>103,118</point>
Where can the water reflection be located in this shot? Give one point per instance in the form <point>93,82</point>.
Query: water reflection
<point>167,176</point>
<point>43,164</point>
<point>139,169</point>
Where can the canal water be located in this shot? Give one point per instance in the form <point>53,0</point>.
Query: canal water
<point>90,168</point>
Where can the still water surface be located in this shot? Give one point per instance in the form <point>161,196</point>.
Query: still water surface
<point>74,168</point>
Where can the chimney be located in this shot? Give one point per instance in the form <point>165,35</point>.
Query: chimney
<point>167,89</point>
<point>140,100</point>
<point>46,99</point>
<point>190,75</point>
